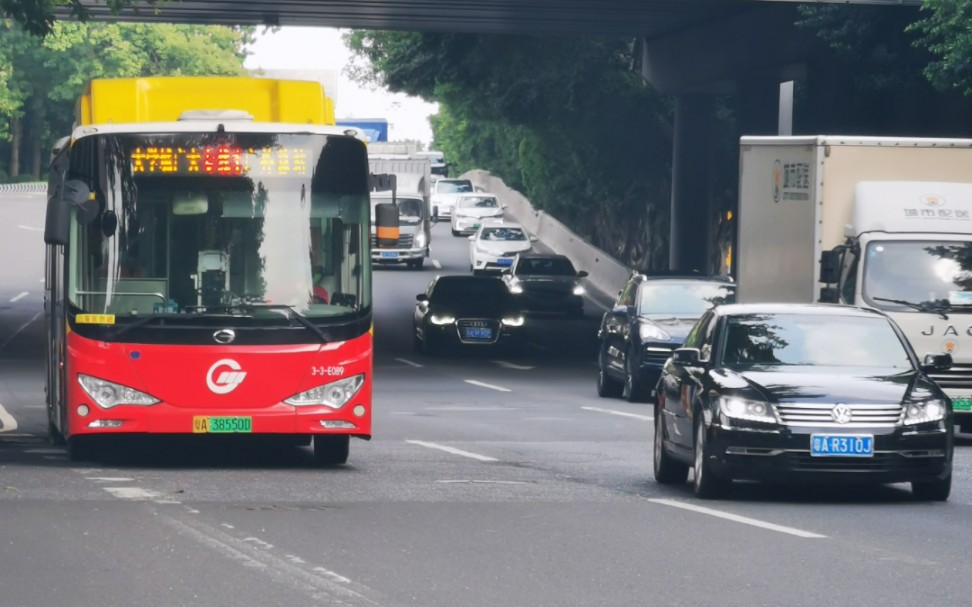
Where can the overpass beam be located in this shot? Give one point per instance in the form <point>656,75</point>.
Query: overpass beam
<point>691,210</point>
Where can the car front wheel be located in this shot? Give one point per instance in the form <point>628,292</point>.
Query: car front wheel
<point>706,484</point>
<point>933,491</point>
<point>668,471</point>
<point>607,387</point>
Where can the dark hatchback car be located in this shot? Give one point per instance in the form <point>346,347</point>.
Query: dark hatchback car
<point>472,311</point>
<point>546,283</point>
<point>650,319</point>
<point>802,393</point>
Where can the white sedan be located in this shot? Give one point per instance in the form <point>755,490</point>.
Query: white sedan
<point>495,244</point>
<point>472,209</point>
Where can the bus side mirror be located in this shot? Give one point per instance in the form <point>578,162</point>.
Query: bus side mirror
<point>830,265</point>
<point>74,193</point>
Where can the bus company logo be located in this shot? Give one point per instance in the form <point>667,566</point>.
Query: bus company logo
<point>224,376</point>
<point>932,200</point>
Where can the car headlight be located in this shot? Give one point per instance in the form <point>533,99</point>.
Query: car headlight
<point>579,290</point>
<point>334,395</point>
<point>513,321</point>
<point>516,289</point>
<point>931,410</point>
<point>108,394</point>
<point>650,332</point>
<point>442,319</point>
<point>751,410</point>
<point>419,240</point>
<point>482,250</point>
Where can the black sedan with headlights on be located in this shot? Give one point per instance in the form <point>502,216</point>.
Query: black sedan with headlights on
<point>467,311</point>
<point>546,283</point>
<point>802,393</point>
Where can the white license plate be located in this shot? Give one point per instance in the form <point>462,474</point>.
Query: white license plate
<point>842,445</point>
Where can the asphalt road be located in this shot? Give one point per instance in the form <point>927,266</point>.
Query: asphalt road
<point>490,482</point>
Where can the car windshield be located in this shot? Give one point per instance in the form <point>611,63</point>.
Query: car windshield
<point>683,300</point>
<point>453,187</point>
<point>812,340</point>
<point>457,290</point>
<point>554,266</point>
<point>409,210</point>
<point>918,272</point>
<point>502,233</point>
<point>482,202</point>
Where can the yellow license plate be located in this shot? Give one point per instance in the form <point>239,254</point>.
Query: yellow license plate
<point>209,424</point>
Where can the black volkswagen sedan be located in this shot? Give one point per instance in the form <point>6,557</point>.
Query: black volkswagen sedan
<point>650,319</point>
<point>471,311</point>
<point>802,393</point>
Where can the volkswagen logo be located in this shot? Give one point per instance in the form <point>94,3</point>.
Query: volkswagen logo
<point>841,413</point>
<point>224,336</point>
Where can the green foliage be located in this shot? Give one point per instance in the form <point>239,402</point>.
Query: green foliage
<point>41,78</point>
<point>946,31</point>
<point>565,120</point>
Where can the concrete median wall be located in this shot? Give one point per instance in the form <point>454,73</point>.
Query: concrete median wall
<point>605,274</point>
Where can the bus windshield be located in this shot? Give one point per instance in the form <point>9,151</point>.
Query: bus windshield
<point>220,223</point>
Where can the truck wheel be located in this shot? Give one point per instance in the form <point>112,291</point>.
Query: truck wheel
<point>416,264</point>
<point>83,448</point>
<point>933,491</point>
<point>331,449</point>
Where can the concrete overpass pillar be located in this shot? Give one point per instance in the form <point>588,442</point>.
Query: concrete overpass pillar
<point>691,212</point>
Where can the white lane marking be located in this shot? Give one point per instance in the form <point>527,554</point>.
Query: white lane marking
<point>453,450</point>
<point>7,422</point>
<point>503,363</point>
<point>485,385</point>
<point>28,228</point>
<point>110,479</point>
<point>337,577</point>
<point>436,264</point>
<point>745,520</point>
<point>647,418</point>
<point>45,451</point>
<point>408,362</point>
<point>131,493</point>
<point>19,296</point>
<point>18,331</point>
<point>463,481</point>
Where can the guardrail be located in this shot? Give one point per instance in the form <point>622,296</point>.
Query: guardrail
<point>19,188</point>
<point>605,273</point>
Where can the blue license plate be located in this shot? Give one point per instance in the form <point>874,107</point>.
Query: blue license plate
<point>842,445</point>
<point>504,262</point>
<point>389,254</point>
<point>479,333</point>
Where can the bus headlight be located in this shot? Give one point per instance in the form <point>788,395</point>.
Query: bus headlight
<point>108,394</point>
<point>334,395</point>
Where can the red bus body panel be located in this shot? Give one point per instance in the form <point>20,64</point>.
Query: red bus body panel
<point>250,381</point>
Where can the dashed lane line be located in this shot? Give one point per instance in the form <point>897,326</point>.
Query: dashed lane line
<point>745,520</point>
<point>408,362</point>
<point>647,418</point>
<point>19,296</point>
<point>20,330</point>
<point>485,385</point>
<point>509,365</point>
<point>436,264</point>
<point>453,450</point>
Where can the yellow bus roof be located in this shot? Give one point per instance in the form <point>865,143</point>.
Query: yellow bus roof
<point>164,99</point>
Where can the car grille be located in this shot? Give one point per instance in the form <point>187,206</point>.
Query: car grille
<point>956,378</point>
<point>404,241</point>
<point>880,461</point>
<point>819,415</point>
<point>551,291</point>
<point>470,330</point>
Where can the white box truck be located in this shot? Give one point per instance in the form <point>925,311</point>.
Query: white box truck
<point>879,222</point>
<point>415,214</point>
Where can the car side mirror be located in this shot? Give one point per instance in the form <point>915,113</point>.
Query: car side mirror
<point>582,274</point>
<point>473,237</point>
<point>533,239</point>
<point>422,297</point>
<point>937,362</point>
<point>687,356</point>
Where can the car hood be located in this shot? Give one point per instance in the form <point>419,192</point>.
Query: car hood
<point>504,246</point>
<point>545,280</point>
<point>479,212</point>
<point>832,384</point>
<point>449,199</point>
<point>474,309</point>
<point>678,328</point>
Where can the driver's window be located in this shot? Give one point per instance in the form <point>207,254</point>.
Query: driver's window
<point>699,332</point>
<point>627,296</point>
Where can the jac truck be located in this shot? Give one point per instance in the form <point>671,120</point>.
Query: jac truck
<point>884,223</point>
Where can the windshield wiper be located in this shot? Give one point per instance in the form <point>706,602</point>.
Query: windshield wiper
<point>140,322</point>
<point>300,318</point>
<point>936,306</point>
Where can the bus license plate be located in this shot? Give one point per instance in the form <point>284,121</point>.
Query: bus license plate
<point>389,254</point>
<point>962,404</point>
<point>842,445</point>
<point>221,425</point>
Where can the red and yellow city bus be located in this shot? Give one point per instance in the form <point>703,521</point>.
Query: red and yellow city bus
<point>208,266</point>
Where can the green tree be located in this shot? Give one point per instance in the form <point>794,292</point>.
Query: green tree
<point>37,17</point>
<point>946,31</point>
<point>45,76</point>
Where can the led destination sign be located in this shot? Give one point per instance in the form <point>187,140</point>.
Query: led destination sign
<point>227,161</point>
